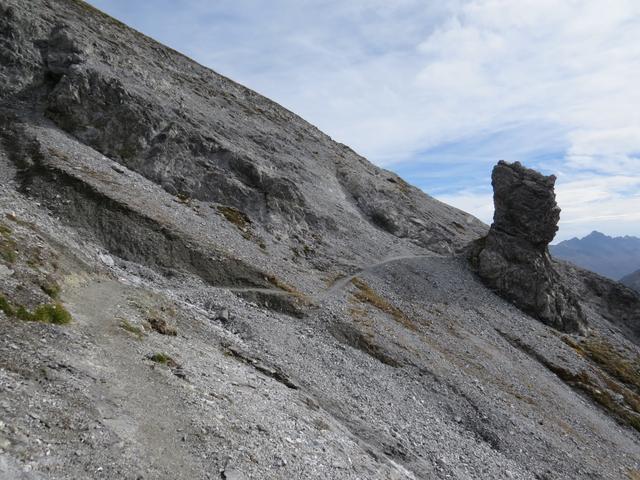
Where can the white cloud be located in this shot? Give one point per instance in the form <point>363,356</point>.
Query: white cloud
<point>394,79</point>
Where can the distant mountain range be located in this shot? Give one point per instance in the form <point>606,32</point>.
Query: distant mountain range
<point>613,257</point>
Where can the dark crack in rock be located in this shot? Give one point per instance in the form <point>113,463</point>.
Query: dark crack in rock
<point>513,259</point>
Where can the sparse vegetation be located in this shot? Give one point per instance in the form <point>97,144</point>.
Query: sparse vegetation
<point>6,307</point>
<point>365,342</point>
<point>160,358</point>
<point>612,362</point>
<point>163,359</point>
<point>633,474</point>
<point>403,186</point>
<point>276,282</point>
<point>331,278</point>
<point>609,359</point>
<point>235,216</point>
<point>8,245</point>
<point>5,231</point>
<point>183,198</point>
<point>133,329</point>
<point>161,326</point>
<point>51,288</point>
<point>582,381</point>
<point>54,314</point>
<point>366,294</point>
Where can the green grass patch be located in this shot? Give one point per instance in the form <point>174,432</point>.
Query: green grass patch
<point>160,358</point>
<point>51,288</point>
<point>163,359</point>
<point>54,314</point>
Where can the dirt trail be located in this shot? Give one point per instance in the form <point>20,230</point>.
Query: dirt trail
<point>338,286</point>
<point>136,401</point>
<point>343,282</point>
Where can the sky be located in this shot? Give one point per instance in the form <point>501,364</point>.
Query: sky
<point>440,91</point>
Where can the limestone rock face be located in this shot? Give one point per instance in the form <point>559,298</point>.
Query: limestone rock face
<point>513,259</point>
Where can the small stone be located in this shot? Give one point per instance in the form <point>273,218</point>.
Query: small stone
<point>232,474</point>
<point>107,260</point>
<point>223,315</point>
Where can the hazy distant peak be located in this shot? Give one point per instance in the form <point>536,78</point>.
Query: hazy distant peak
<point>613,257</point>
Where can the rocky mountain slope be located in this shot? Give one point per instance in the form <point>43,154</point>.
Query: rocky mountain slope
<point>196,283</point>
<point>612,257</point>
<point>632,281</point>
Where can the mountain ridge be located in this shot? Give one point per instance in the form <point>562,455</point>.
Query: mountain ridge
<point>613,257</point>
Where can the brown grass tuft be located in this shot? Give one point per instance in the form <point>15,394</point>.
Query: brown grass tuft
<point>366,294</point>
<point>235,216</point>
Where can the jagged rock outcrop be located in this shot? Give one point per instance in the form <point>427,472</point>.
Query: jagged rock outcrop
<point>513,259</point>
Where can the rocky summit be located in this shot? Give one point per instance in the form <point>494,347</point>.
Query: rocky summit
<point>195,283</point>
<point>513,258</point>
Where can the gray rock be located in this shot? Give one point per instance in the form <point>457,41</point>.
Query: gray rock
<point>232,474</point>
<point>107,260</point>
<point>5,271</point>
<point>223,315</point>
<point>513,259</point>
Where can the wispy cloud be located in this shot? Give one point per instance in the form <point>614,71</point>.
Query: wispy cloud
<point>439,91</point>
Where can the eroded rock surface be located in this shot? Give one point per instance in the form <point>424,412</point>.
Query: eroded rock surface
<point>513,259</point>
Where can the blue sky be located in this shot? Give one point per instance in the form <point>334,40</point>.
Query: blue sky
<point>439,91</point>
